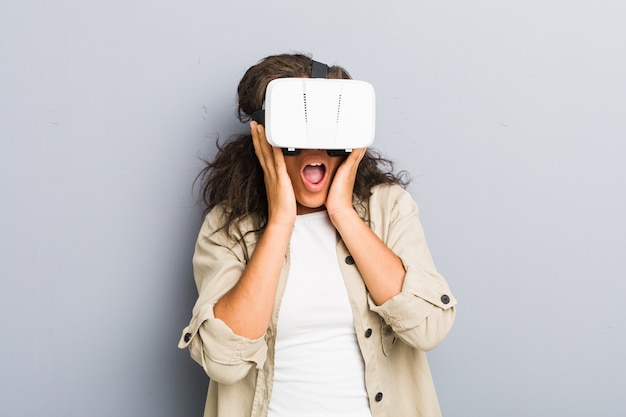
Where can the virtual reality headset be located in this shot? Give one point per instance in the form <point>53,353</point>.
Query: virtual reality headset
<point>318,113</point>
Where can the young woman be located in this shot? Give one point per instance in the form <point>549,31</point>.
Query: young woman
<point>317,293</point>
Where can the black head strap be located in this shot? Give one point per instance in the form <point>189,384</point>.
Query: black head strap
<point>319,70</point>
<point>259,117</point>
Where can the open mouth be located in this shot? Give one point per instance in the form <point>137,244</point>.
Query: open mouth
<point>314,173</point>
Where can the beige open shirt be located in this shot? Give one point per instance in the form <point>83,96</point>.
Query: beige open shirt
<point>392,337</point>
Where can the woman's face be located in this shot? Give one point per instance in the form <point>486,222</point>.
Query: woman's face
<point>311,172</point>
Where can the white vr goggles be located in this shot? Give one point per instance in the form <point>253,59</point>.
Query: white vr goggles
<point>318,113</point>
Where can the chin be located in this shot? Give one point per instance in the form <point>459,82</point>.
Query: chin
<point>310,205</point>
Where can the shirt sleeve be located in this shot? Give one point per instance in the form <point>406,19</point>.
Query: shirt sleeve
<point>218,264</point>
<point>423,312</point>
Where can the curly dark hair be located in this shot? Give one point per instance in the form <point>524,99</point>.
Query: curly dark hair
<point>235,177</point>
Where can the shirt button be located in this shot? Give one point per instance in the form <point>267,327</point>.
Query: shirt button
<point>368,332</point>
<point>379,397</point>
<point>187,337</point>
<point>349,260</point>
<point>445,299</point>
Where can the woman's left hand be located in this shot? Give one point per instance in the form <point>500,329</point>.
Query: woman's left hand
<point>340,194</point>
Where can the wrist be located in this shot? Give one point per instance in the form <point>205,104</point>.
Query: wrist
<point>343,215</point>
<point>279,224</point>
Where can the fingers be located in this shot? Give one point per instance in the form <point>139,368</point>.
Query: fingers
<point>351,163</point>
<point>357,154</point>
<point>340,194</point>
<point>360,152</point>
<point>280,198</point>
<point>261,146</point>
<point>270,157</point>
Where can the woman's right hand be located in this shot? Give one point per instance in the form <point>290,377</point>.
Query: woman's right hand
<point>247,307</point>
<point>281,200</point>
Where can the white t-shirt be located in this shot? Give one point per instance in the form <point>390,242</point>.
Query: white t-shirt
<point>319,369</point>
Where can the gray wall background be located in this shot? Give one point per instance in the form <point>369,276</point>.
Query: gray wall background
<point>509,115</point>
